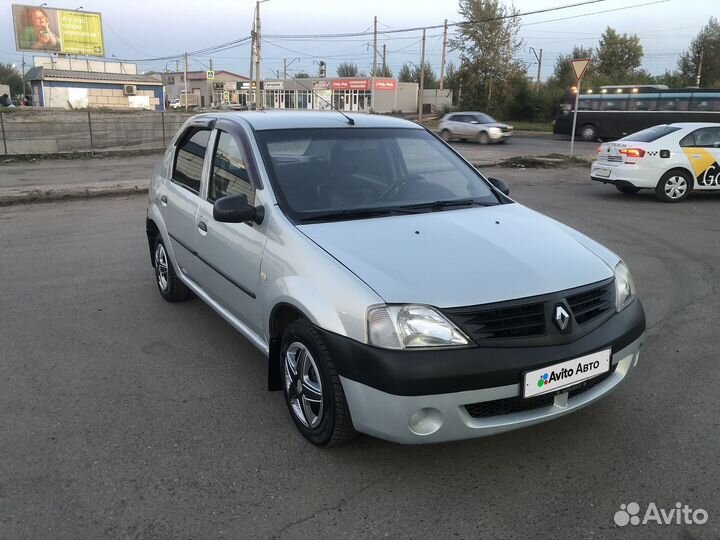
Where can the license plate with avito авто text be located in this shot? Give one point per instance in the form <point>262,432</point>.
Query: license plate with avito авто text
<point>565,374</point>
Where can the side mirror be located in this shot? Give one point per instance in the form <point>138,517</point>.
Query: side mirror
<point>237,209</point>
<point>500,185</point>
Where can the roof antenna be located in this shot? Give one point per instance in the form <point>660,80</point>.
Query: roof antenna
<point>349,120</point>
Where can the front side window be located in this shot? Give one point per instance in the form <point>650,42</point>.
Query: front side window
<point>352,173</point>
<point>484,118</point>
<point>189,159</point>
<point>229,173</point>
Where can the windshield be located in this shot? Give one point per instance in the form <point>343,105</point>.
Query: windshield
<point>651,134</point>
<point>485,118</point>
<point>346,173</point>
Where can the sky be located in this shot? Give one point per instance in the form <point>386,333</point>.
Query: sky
<point>145,30</point>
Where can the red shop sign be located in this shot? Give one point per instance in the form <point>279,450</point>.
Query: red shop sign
<point>385,84</point>
<point>351,84</point>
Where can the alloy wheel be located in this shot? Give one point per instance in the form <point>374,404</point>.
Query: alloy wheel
<point>161,267</point>
<point>303,385</point>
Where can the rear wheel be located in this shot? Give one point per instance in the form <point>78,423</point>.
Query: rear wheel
<point>629,190</point>
<point>589,132</point>
<point>312,388</point>
<point>674,186</point>
<point>169,285</point>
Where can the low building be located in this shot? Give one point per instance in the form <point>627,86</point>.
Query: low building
<point>223,87</point>
<point>363,94</point>
<point>78,84</point>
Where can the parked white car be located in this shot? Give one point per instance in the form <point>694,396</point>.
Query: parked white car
<point>672,159</point>
<point>474,126</point>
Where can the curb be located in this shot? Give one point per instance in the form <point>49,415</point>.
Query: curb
<point>10,197</point>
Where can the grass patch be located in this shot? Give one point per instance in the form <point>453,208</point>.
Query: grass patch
<point>546,127</point>
<point>549,161</point>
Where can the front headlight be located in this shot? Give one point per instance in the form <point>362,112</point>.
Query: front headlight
<point>411,326</point>
<point>495,130</point>
<point>624,286</point>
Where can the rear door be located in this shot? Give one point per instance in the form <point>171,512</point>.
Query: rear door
<point>180,197</point>
<point>702,149</point>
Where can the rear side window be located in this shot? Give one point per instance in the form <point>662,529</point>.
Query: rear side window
<point>189,160</point>
<point>703,138</point>
<point>229,173</point>
<point>651,134</point>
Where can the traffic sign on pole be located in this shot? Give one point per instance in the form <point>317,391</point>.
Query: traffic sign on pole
<point>579,67</point>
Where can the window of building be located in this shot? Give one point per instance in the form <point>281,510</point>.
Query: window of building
<point>189,159</point>
<point>229,174</point>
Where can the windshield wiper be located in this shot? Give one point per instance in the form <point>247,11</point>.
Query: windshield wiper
<point>359,213</point>
<point>439,205</point>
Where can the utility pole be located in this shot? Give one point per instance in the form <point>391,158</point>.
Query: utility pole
<point>186,83</point>
<point>252,63</point>
<point>697,80</point>
<point>422,80</point>
<point>375,51</point>
<point>539,61</point>
<point>442,65</point>
<point>211,66</point>
<point>177,66</point>
<point>23,76</point>
<point>384,59</point>
<point>258,41</point>
<point>284,68</point>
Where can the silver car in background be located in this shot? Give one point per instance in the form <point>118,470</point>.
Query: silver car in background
<point>394,290</point>
<point>473,126</point>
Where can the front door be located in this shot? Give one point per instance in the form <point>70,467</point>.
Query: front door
<point>230,253</point>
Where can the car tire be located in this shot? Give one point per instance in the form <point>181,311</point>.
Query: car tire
<point>312,388</point>
<point>628,190</point>
<point>169,284</point>
<point>483,138</point>
<point>674,186</point>
<point>589,133</point>
<point>446,135</point>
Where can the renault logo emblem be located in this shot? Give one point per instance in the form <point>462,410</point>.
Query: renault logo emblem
<point>562,318</point>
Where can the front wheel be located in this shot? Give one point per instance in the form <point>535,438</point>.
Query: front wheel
<point>312,388</point>
<point>674,186</point>
<point>483,138</point>
<point>446,136</point>
<point>628,190</point>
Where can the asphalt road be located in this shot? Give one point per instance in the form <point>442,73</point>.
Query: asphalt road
<point>123,416</point>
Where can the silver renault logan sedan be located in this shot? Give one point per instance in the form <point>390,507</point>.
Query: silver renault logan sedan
<point>394,290</point>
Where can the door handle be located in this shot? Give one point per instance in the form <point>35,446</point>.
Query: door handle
<point>203,227</point>
<point>163,200</point>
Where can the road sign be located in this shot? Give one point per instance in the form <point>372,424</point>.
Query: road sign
<point>579,65</point>
<point>210,75</point>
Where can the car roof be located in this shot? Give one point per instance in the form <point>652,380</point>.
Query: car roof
<point>298,119</point>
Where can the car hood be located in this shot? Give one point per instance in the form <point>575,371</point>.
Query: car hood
<point>461,257</point>
<point>495,124</point>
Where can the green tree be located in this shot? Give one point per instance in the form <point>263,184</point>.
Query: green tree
<point>563,75</point>
<point>302,75</point>
<point>346,69</point>
<point>406,73</point>
<point>707,43</point>
<point>619,58</point>
<point>382,71</point>
<point>488,44</point>
<point>11,76</point>
<point>452,80</point>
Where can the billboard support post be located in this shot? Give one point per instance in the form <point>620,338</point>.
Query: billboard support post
<point>2,125</point>
<point>92,145</point>
<point>579,66</point>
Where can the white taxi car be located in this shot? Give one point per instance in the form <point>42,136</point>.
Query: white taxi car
<point>672,159</point>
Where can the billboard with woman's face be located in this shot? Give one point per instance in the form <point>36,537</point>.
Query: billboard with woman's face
<point>58,30</point>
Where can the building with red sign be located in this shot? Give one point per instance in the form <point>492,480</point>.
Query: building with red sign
<point>362,94</point>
